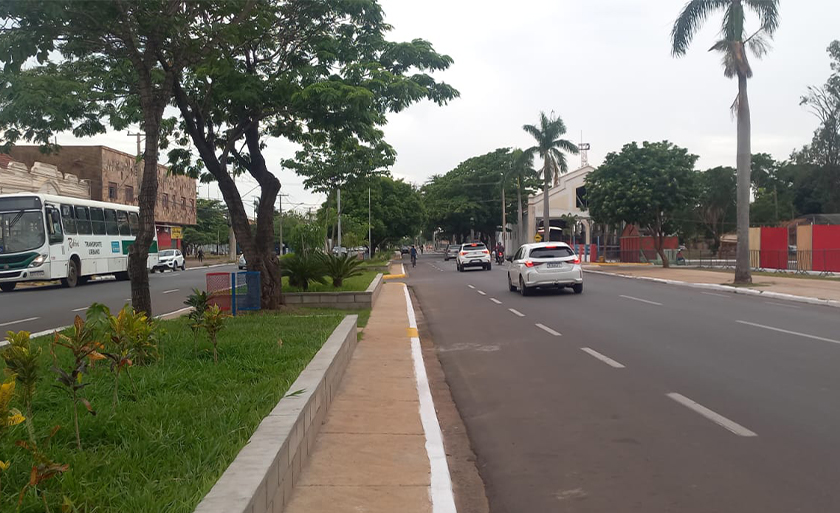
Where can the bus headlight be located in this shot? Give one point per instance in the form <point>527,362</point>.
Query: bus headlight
<point>40,259</point>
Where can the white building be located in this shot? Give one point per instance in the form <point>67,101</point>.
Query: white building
<point>565,199</point>
<point>43,178</point>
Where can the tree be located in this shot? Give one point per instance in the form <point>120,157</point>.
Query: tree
<point>550,148</point>
<point>525,175</point>
<point>733,46</point>
<point>773,190</point>
<point>648,186</point>
<point>109,69</point>
<point>315,73</point>
<point>716,201</point>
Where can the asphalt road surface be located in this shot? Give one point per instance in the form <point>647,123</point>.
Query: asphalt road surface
<point>43,308</point>
<point>637,396</point>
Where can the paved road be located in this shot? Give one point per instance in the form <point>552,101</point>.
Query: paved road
<point>637,396</point>
<point>44,308</point>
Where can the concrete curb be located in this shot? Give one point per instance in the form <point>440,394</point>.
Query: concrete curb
<point>344,300</point>
<point>261,478</point>
<point>726,288</point>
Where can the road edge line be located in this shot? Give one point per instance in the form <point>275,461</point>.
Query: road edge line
<point>440,489</point>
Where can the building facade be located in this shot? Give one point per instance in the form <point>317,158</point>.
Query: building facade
<point>44,178</point>
<point>566,199</point>
<point>115,177</point>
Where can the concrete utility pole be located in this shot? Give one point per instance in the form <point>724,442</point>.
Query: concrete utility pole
<point>232,236</point>
<point>339,216</point>
<point>139,136</point>
<point>280,206</point>
<point>370,239</point>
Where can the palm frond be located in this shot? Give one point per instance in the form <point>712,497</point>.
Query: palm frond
<point>566,145</point>
<point>689,22</point>
<point>768,14</point>
<point>759,44</point>
<point>534,132</point>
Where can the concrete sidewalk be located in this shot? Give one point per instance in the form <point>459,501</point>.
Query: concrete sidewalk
<point>371,453</point>
<point>816,288</point>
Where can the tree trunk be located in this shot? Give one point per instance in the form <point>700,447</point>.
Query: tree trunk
<point>546,209</point>
<point>138,253</point>
<point>660,242</point>
<point>743,271</point>
<point>519,227</point>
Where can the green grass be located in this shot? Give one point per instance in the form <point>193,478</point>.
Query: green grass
<point>364,314</point>
<point>770,274</point>
<point>165,446</point>
<point>356,284</point>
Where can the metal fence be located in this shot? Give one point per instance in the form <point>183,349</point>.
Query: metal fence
<point>234,292</point>
<point>820,262</point>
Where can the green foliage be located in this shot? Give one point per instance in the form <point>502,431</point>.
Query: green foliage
<point>716,201</point>
<point>43,468</point>
<point>82,345</point>
<point>22,362</point>
<point>340,268</point>
<point>214,321</point>
<point>303,269</point>
<point>306,237</point>
<point>333,164</point>
<point>550,146</point>
<point>648,186</point>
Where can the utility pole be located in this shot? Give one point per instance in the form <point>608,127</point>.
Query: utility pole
<point>280,205</point>
<point>338,199</point>
<point>232,236</point>
<point>370,239</point>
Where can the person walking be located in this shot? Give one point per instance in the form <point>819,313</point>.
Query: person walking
<point>200,255</point>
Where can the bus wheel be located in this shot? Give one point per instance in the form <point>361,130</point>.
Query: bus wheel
<point>72,278</point>
<point>8,286</point>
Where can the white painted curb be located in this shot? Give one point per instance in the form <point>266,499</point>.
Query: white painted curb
<point>726,288</point>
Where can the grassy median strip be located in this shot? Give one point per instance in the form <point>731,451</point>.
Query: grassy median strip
<point>355,284</point>
<point>174,433</point>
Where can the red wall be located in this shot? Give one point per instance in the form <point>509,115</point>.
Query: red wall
<point>631,247</point>
<point>826,247</point>
<point>164,240</point>
<point>774,248</point>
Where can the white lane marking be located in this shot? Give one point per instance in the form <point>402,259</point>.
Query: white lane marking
<point>547,329</point>
<point>782,304</point>
<point>80,309</point>
<point>481,292</point>
<point>128,300</point>
<point>713,294</point>
<point>19,321</point>
<point>606,359</point>
<point>516,312</point>
<point>403,268</point>
<point>495,300</point>
<point>805,335</point>
<point>170,291</point>
<point>717,418</point>
<point>443,499</point>
<point>471,286</point>
<point>642,300</point>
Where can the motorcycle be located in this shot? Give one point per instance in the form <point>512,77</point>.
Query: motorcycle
<point>500,257</point>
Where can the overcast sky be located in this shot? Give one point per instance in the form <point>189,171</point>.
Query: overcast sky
<point>603,65</point>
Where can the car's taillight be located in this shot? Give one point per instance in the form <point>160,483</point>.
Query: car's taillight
<point>577,259</point>
<point>486,252</point>
<point>528,263</point>
<point>463,253</point>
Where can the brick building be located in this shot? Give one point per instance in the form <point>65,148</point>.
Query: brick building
<point>115,176</point>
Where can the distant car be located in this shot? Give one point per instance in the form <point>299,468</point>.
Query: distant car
<point>405,250</point>
<point>339,250</point>
<point>170,259</point>
<point>451,251</point>
<point>241,263</point>
<point>474,254</point>
<point>544,264</point>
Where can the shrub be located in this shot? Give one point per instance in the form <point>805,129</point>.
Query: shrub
<point>214,321</point>
<point>198,300</point>
<point>22,363</point>
<point>303,269</point>
<point>82,345</point>
<point>340,268</point>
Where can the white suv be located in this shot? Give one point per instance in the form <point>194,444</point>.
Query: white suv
<point>170,259</point>
<point>474,254</point>
<point>545,264</point>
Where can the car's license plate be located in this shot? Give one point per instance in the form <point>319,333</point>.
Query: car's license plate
<point>556,265</point>
<point>474,261</point>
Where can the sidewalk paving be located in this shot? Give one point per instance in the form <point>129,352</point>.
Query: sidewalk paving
<point>370,454</point>
<point>804,287</point>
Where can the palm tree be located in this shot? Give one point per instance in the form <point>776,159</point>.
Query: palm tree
<point>550,148</point>
<point>733,45</point>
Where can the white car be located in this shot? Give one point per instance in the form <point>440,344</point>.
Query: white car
<point>170,259</point>
<point>243,265</point>
<point>545,264</point>
<point>474,254</point>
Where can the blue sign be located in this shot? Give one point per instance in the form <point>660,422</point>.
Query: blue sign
<point>115,246</point>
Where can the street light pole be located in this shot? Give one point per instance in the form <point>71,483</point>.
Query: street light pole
<point>370,239</point>
<point>472,229</point>
<point>339,217</point>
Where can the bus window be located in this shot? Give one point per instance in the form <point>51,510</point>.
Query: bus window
<point>69,219</point>
<point>83,221</point>
<point>97,219</point>
<point>134,223</point>
<point>122,220</point>
<point>111,226</point>
<point>54,225</point>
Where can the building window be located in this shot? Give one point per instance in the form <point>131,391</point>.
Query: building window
<point>112,191</point>
<point>164,201</point>
<point>129,194</point>
<point>183,202</point>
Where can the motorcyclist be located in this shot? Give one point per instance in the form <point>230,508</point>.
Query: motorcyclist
<point>413,256</point>
<point>499,252</point>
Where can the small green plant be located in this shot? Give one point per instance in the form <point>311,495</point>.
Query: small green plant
<point>214,321</point>
<point>22,363</point>
<point>340,268</point>
<point>82,346</point>
<point>43,468</point>
<point>199,301</point>
<point>119,347</point>
<point>303,269</point>
<point>9,417</point>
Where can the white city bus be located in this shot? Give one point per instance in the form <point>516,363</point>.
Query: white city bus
<point>44,237</point>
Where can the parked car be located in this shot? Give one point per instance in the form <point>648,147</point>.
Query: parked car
<point>544,264</point>
<point>451,252</point>
<point>170,259</point>
<point>243,265</point>
<point>474,254</point>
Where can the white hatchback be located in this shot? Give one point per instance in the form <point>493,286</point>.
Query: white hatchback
<point>545,264</point>
<point>473,254</point>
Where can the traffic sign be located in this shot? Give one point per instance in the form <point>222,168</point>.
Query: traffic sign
<point>538,238</point>
<point>176,233</point>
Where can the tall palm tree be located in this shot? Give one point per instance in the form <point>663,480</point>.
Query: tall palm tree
<point>734,45</point>
<point>550,148</point>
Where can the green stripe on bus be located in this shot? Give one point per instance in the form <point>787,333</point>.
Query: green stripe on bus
<point>126,243</point>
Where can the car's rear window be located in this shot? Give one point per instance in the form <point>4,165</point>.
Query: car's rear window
<point>473,247</point>
<point>551,252</point>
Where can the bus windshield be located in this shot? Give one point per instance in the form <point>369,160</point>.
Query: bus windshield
<point>21,231</point>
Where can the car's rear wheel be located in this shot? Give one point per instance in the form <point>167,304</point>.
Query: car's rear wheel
<point>522,288</point>
<point>8,286</point>
<point>489,266</point>
<point>184,266</point>
<point>577,288</point>
<point>511,287</point>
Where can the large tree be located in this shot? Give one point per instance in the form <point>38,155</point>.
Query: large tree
<point>734,45</point>
<point>100,62</point>
<point>648,186</point>
<point>315,73</point>
<point>716,201</point>
<point>550,147</point>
